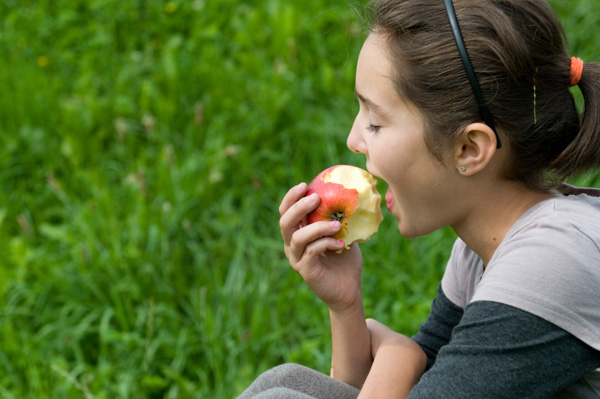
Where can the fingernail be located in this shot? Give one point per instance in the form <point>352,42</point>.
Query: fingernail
<point>335,223</point>
<point>312,197</point>
<point>341,242</point>
<point>300,187</point>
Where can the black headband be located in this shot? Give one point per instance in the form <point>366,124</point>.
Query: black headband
<point>485,112</point>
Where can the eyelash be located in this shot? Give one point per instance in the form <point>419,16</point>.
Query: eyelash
<point>373,128</point>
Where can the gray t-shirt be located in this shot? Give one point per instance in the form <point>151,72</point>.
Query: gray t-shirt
<point>548,264</point>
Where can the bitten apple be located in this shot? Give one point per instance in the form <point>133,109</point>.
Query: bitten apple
<point>348,194</point>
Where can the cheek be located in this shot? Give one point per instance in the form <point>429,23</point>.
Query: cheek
<point>397,169</point>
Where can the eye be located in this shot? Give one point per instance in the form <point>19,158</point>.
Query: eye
<point>373,128</point>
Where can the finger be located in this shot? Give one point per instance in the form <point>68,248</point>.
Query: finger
<point>323,245</point>
<point>304,262</point>
<point>311,257</point>
<point>292,196</point>
<point>291,220</point>
<point>302,238</point>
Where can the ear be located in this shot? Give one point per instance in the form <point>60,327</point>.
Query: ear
<point>474,149</point>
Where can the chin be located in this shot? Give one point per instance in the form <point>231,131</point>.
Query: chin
<point>410,231</point>
<point>407,233</point>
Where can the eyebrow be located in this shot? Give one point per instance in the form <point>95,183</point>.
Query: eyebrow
<point>370,104</point>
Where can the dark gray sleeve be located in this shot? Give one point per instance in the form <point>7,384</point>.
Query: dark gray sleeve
<point>437,329</point>
<point>498,351</point>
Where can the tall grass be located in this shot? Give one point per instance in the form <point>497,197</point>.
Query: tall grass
<point>144,149</point>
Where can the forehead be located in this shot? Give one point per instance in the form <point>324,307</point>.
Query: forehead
<point>374,72</point>
<point>374,56</point>
<point>375,44</point>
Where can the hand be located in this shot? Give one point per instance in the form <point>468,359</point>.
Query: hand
<point>333,277</point>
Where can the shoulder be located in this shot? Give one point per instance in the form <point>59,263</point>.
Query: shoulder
<point>463,272</point>
<point>579,209</point>
<point>549,265</point>
<point>554,231</point>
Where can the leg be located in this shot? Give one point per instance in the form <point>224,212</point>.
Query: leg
<point>299,379</point>
<point>281,393</point>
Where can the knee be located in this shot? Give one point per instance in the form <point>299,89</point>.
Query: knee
<point>279,393</point>
<point>283,375</point>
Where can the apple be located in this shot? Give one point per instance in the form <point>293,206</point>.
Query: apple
<point>348,194</point>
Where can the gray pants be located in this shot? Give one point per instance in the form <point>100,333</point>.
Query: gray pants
<point>292,381</point>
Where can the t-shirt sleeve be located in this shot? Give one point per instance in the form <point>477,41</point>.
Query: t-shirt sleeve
<point>463,273</point>
<point>437,329</point>
<point>551,271</point>
<point>498,351</point>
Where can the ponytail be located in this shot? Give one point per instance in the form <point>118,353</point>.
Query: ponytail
<point>583,153</point>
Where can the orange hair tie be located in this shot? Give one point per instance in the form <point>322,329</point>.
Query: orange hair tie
<point>576,71</point>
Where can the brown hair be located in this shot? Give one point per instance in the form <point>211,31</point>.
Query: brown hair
<point>517,48</point>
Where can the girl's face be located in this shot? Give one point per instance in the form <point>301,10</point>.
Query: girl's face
<point>422,194</point>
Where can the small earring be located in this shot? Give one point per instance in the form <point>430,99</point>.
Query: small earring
<point>464,169</point>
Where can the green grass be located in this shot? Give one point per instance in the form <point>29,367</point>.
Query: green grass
<point>144,149</point>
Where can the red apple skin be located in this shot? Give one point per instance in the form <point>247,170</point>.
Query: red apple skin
<point>337,202</point>
<point>347,195</point>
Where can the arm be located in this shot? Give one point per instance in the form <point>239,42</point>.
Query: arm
<point>399,363</point>
<point>498,351</point>
<point>388,377</point>
<point>333,277</point>
<point>437,329</point>
<point>351,346</point>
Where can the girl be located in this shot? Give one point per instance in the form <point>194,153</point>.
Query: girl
<point>466,113</point>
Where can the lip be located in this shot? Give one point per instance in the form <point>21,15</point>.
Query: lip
<point>389,198</point>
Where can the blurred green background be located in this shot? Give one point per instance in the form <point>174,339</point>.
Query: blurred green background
<point>144,149</point>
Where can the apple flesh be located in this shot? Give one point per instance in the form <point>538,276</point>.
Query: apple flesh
<point>348,194</point>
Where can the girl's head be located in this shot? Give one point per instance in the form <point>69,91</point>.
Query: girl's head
<point>517,50</point>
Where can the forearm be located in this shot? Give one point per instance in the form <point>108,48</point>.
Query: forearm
<point>351,345</point>
<point>396,370</point>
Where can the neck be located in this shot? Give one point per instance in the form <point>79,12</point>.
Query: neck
<point>492,214</point>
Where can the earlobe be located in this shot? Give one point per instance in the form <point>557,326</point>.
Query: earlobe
<point>475,149</point>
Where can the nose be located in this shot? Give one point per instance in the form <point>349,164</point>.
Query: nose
<point>355,141</point>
